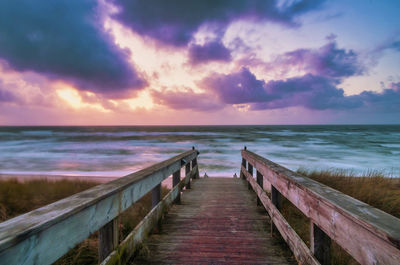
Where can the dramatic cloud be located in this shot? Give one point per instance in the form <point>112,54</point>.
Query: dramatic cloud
<point>65,40</point>
<point>6,95</point>
<point>386,101</point>
<point>313,92</point>
<point>329,61</point>
<point>187,100</point>
<point>236,88</point>
<point>309,91</point>
<point>174,22</point>
<point>211,51</point>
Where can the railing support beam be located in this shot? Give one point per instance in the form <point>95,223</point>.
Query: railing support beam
<point>260,181</point>
<point>250,170</point>
<point>244,165</point>
<point>276,199</point>
<point>108,238</point>
<point>176,178</point>
<point>155,195</point>
<point>187,172</point>
<point>320,244</point>
<point>194,163</point>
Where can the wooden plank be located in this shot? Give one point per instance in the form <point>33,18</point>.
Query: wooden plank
<point>187,172</point>
<point>217,222</point>
<point>132,242</point>
<point>276,199</point>
<point>260,181</point>
<point>29,238</point>
<point>366,233</point>
<point>194,164</point>
<point>320,244</point>
<point>155,195</point>
<point>176,178</point>
<point>108,238</point>
<point>300,250</point>
<point>250,170</point>
<point>244,165</point>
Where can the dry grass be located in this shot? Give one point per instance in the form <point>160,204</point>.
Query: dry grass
<point>19,197</point>
<point>372,188</point>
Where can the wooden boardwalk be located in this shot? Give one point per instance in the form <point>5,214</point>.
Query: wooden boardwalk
<point>217,222</point>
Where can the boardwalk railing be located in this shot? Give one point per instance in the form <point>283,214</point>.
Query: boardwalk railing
<point>366,233</point>
<point>44,235</point>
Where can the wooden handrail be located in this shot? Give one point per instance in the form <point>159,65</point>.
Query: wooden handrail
<point>44,235</point>
<point>131,243</point>
<point>369,235</point>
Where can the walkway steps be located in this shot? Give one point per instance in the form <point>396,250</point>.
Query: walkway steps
<point>217,222</point>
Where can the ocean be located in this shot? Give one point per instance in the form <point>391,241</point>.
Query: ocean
<point>118,151</point>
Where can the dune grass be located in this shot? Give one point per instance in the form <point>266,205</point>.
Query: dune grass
<point>373,188</point>
<point>19,197</point>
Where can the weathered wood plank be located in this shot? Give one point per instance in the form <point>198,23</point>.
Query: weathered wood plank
<point>29,238</point>
<point>250,170</point>
<point>320,244</point>
<point>276,199</point>
<point>130,244</point>
<point>187,172</point>
<point>155,195</point>
<point>299,248</point>
<point>260,181</point>
<point>244,165</point>
<point>366,233</point>
<point>176,178</point>
<point>194,164</point>
<point>217,222</point>
<point>108,238</point>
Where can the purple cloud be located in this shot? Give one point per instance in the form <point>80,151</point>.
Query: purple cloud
<point>329,61</point>
<point>7,96</point>
<point>65,40</point>
<point>211,51</point>
<point>313,92</point>
<point>386,101</point>
<point>309,91</point>
<point>186,100</point>
<point>236,88</point>
<point>175,21</point>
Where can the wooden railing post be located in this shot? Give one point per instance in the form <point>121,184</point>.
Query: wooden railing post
<point>250,170</point>
<point>108,238</point>
<point>187,171</point>
<point>155,195</point>
<point>320,244</point>
<point>276,199</point>
<point>194,163</point>
<point>176,178</point>
<point>260,181</point>
<point>244,165</point>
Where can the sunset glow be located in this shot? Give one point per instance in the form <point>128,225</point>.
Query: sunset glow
<point>228,62</point>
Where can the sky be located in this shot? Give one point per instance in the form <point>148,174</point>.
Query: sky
<point>183,62</point>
